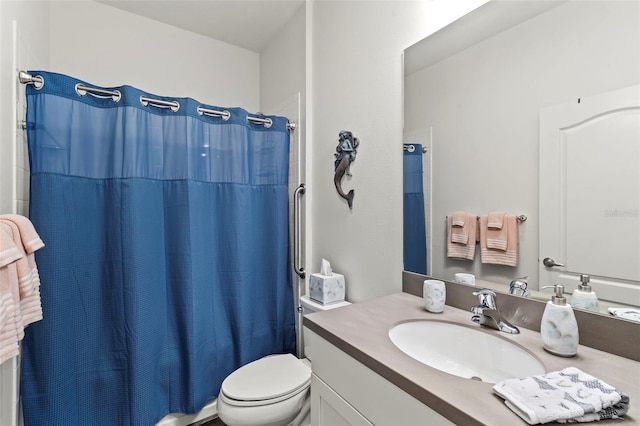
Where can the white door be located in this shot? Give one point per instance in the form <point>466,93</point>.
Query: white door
<point>590,194</point>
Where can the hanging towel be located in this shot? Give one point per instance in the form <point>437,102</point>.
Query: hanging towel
<point>27,241</point>
<point>459,232</point>
<point>458,219</point>
<point>8,250</point>
<point>463,250</point>
<point>30,239</point>
<point>9,295</point>
<point>496,232</point>
<point>565,396</point>
<point>509,256</point>
<point>31,243</point>
<point>495,220</point>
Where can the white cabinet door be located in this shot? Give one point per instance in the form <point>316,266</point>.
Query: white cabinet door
<point>358,395</point>
<point>330,409</point>
<point>590,194</point>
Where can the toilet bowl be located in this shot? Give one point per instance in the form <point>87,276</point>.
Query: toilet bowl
<point>271,391</point>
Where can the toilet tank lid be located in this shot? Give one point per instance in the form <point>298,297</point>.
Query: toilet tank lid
<point>316,307</point>
<point>267,378</point>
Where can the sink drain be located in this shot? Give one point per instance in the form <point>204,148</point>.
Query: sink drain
<point>476,378</point>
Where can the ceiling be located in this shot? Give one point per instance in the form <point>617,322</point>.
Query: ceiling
<point>250,24</point>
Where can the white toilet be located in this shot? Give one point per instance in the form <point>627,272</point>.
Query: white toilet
<point>271,391</point>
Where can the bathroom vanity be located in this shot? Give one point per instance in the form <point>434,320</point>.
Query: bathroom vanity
<point>360,377</point>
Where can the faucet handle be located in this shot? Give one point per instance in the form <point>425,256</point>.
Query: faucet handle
<point>518,287</point>
<point>487,298</point>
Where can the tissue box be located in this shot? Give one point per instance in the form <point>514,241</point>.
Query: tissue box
<point>326,288</point>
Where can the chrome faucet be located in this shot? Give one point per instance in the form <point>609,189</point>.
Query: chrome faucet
<point>518,287</point>
<point>487,314</point>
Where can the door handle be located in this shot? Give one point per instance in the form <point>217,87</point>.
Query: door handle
<point>549,262</point>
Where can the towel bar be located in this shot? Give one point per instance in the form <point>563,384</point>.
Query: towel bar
<point>521,218</point>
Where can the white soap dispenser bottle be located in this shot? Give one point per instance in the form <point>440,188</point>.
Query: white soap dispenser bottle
<point>559,329</point>
<point>584,297</point>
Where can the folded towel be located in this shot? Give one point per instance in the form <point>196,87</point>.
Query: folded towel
<point>626,313</point>
<point>461,250</point>
<point>459,232</point>
<point>30,239</point>
<point>8,250</point>
<point>496,232</point>
<point>495,220</point>
<point>565,396</point>
<point>508,256</point>
<point>458,219</point>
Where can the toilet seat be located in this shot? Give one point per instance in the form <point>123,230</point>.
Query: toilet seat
<point>266,381</point>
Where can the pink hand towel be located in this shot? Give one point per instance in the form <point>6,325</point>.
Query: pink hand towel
<point>31,242</point>
<point>495,220</point>
<point>507,257</point>
<point>8,250</point>
<point>467,250</point>
<point>458,218</point>
<point>496,232</point>
<point>11,330</point>
<point>30,239</point>
<point>459,230</point>
<point>28,277</point>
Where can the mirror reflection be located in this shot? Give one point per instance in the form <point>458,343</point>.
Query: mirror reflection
<point>475,93</point>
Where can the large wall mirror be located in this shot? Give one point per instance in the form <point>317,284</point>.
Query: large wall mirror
<point>475,92</point>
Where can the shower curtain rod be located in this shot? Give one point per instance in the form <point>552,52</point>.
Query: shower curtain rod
<point>411,147</point>
<point>82,90</point>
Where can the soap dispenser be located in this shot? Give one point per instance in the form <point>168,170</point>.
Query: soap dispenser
<point>559,328</point>
<point>584,297</point>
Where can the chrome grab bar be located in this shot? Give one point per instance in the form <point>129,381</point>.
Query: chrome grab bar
<point>297,251</point>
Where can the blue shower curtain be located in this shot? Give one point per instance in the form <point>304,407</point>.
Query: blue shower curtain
<point>166,263</point>
<point>415,235</point>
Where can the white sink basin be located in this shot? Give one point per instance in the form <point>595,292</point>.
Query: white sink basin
<point>464,351</point>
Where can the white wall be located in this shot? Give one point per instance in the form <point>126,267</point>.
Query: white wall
<point>357,85</point>
<point>282,92</point>
<point>282,64</point>
<point>483,104</point>
<point>24,28</point>
<point>106,46</point>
